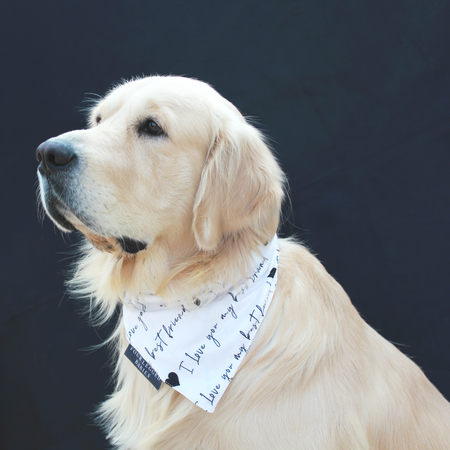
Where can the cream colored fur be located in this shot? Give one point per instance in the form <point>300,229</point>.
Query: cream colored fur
<point>203,197</point>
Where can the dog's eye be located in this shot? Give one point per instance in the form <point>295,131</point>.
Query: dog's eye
<point>150,127</point>
<point>98,119</point>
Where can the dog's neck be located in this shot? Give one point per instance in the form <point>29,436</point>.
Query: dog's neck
<point>170,268</point>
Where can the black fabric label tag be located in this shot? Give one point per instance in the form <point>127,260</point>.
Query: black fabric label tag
<point>143,366</point>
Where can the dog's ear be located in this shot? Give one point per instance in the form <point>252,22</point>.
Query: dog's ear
<point>241,188</point>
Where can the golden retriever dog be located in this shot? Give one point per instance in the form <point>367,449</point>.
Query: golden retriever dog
<point>177,196</point>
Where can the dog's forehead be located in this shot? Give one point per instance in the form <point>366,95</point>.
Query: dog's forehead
<point>161,91</point>
<point>158,92</point>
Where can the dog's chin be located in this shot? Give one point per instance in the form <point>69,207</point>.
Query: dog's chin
<point>69,222</point>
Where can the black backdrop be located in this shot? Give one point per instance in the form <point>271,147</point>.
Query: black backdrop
<point>355,95</point>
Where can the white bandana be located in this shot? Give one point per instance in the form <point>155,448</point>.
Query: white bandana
<point>198,350</point>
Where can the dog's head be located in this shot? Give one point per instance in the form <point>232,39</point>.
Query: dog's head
<point>163,157</point>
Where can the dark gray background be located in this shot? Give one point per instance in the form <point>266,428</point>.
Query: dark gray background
<point>355,95</point>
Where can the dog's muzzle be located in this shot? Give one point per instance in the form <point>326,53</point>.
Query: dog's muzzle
<point>58,167</point>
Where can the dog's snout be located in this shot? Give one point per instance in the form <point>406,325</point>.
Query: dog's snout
<point>54,156</point>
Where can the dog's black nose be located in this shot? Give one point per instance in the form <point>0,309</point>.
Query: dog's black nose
<point>54,156</point>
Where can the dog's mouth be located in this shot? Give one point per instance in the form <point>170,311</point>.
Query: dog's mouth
<point>68,221</point>
<point>58,217</point>
<point>55,209</point>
